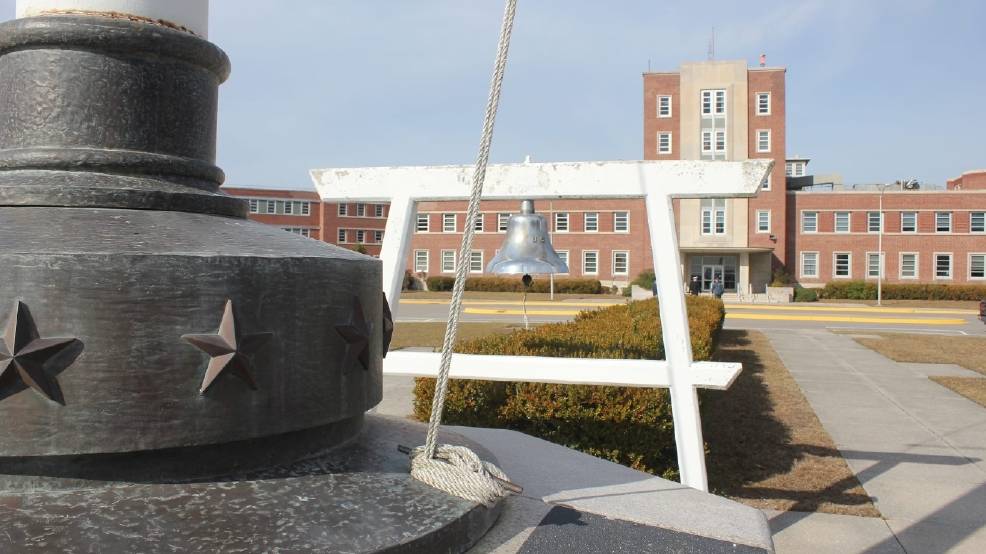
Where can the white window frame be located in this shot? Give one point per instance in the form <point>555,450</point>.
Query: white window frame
<point>835,265</point>
<point>979,255</point>
<point>592,217</point>
<point>713,216</point>
<point>271,206</point>
<point>378,237</point>
<point>766,183</point>
<point>563,254</point>
<point>870,216</point>
<point>418,259</point>
<point>476,261</point>
<point>917,259</point>
<point>426,220</point>
<point>763,138</point>
<point>254,206</point>
<point>342,236</point>
<point>982,222</point>
<point>303,231</point>
<point>804,221</point>
<point>448,261</point>
<point>585,262</point>
<point>561,222</point>
<point>306,208</point>
<point>378,210</point>
<point>501,222</point>
<point>343,210</point>
<point>760,221</point>
<point>848,222</point>
<point>288,207</point>
<point>626,262</point>
<point>625,216</point>
<point>914,227</point>
<point>450,222</point>
<point>762,99</point>
<point>664,143</point>
<point>479,223</point>
<point>804,273</point>
<point>951,265</point>
<point>360,236</point>
<point>360,210</point>
<point>938,225</point>
<point>663,106</point>
<point>869,267</point>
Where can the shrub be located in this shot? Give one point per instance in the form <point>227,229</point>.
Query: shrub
<point>781,278</point>
<point>408,280</point>
<point>805,295</point>
<point>645,280</point>
<point>862,290</point>
<point>631,426</point>
<point>439,283</point>
<point>358,247</point>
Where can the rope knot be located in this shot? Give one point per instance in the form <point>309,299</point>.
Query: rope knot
<point>457,470</point>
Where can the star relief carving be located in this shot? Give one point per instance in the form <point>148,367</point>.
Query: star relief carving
<point>230,349</point>
<point>24,354</point>
<point>356,333</point>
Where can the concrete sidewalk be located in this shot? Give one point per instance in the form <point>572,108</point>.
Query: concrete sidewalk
<point>917,448</point>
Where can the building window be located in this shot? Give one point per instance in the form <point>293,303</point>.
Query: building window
<point>448,223</point>
<point>378,236</point>
<point>299,231</point>
<point>873,265</point>
<point>591,222</point>
<point>254,206</point>
<point>476,262</point>
<point>287,208</point>
<point>809,222</point>
<point>763,141</point>
<point>663,106</point>
<point>271,207</point>
<point>720,141</point>
<point>342,209</point>
<point>621,263</point>
<point>977,222</point>
<point>621,222</point>
<point>421,261</point>
<point>502,220</point>
<point>908,222</point>
<point>943,222</point>
<point>360,210</point>
<point>809,264</point>
<point>943,266</point>
<point>842,264</point>
<point>908,266</point>
<point>561,222</point>
<point>448,261</point>
<point>664,143</point>
<point>360,236</point>
<point>306,208</point>
<point>341,236</point>
<point>873,222</point>
<point>841,222</point>
<point>479,223</point>
<point>794,169</point>
<point>714,216</point>
<point>422,225</point>
<point>378,210</point>
<point>590,263</point>
<point>706,141</point>
<point>763,103</point>
<point>766,183</point>
<point>717,148</point>
<point>977,266</point>
<point>763,221</point>
<point>563,254</point>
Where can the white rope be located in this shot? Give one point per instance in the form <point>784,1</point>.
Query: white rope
<point>457,470</point>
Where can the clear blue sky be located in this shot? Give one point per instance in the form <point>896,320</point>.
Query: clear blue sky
<point>876,89</point>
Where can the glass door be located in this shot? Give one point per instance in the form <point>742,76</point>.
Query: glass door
<point>709,274</point>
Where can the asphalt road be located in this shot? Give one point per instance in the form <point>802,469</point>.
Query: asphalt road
<point>738,316</point>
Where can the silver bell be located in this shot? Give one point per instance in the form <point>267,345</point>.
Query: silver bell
<point>527,248</point>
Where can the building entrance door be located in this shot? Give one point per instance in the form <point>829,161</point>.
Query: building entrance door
<point>709,274</point>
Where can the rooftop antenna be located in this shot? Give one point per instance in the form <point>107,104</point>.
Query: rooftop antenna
<point>712,46</point>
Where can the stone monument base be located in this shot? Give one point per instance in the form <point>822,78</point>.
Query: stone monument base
<point>356,498</point>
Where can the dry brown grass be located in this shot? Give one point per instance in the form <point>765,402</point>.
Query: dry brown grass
<point>767,448</point>
<point>428,333</point>
<point>967,352</point>
<point>539,296</point>
<point>931,304</point>
<point>973,388</point>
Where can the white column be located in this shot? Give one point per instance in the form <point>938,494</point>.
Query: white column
<point>191,14</point>
<point>396,246</point>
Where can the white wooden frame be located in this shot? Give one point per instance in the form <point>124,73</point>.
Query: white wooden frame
<point>657,182</point>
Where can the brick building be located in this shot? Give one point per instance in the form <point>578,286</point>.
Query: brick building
<point>295,211</point>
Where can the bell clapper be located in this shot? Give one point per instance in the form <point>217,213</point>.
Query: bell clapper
<point>526,279</point>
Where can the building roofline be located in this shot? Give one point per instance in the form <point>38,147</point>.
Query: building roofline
<point>876,192</point>
<point>770,68</point>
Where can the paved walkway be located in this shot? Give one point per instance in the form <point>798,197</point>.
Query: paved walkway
<point>918,449</point>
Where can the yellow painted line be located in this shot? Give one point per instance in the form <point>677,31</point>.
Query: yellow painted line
<point>519,312</point>
<point>865,309</point>
<point>514,303</point>
<point>849,319</point>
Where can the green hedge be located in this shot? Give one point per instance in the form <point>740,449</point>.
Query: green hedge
<point>514,284</point>
<point>863,290</point>
<point>631,426</point>
<point>645,280</point>
<point>805,295</point>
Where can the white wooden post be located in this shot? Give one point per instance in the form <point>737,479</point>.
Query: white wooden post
<point>657,182</point>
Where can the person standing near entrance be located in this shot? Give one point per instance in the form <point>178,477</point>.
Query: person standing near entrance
<point>717,289</point>
<point>695,287</point>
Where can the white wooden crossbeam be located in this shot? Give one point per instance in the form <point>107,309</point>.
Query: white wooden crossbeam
<point>657,182</point>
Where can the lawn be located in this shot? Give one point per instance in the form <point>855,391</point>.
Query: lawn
<point>766,447</point>
<point>967,352</point>
<point>532,296</point>
<point>930,304</point>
